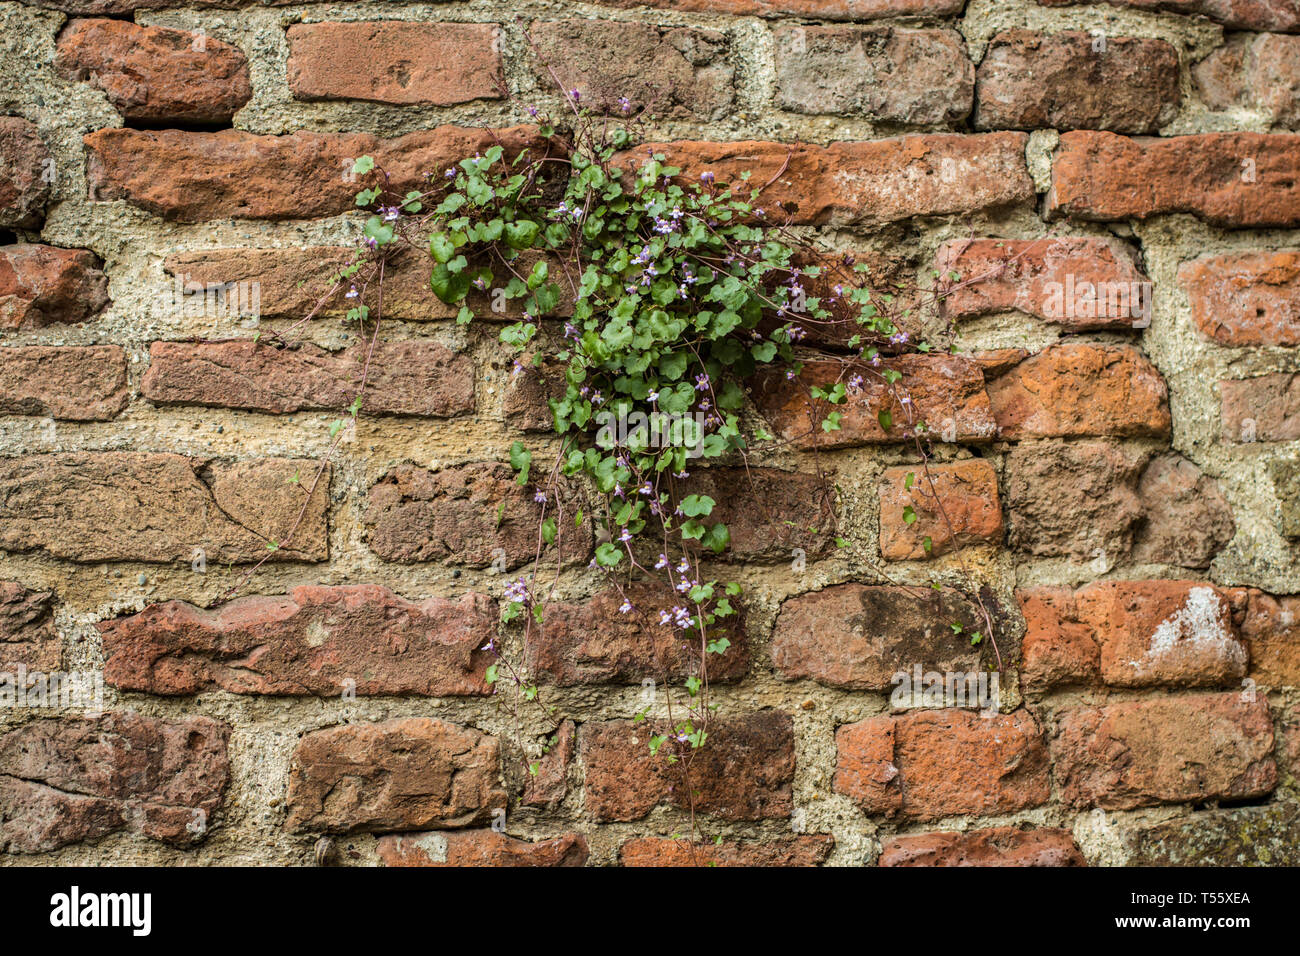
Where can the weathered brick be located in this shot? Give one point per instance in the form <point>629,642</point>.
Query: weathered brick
<point>1076,500</point>
<point>1245,298</point>
<point>954,505</point>
<point>1240,836</point>
<point>593,642</point>
<point>859,637</point>
<point>27,634</point>
<point>1186,518</point>
<point>769,513</point>
<point>74,383</point>
<point>470,514</point>
<point>744,772</point>
<point>156,74</point>
<point>70,779</point>
<point>667,71</point>
<point>413,773</point>
<point>192,177</point>
<point>26,171</point>
<point>854,183</point>
<point>884,73</point>
<point>1134,633</point>
<point>1058,649</point>
<point>997,846</point>
<point>404,378</point>
<point>1234,180</point>
<point>1254,71</point>
<point>936,763</point>
<point>393,61</point>
<point>1239,14</point>
<point>1079,283</point>
<point>140,506</point>
<point>1164,750</point>
<point>42,285</point>
<point>1271,629</point>
<point>810,850</point>
<point>820,9</point>
<point>945,391</point>
<point>1078,391</point>
<point>549,785</point>
<point>480,848</point>
<point>1266,408</point>
<point>1029,80</point>
<point>320,641</point>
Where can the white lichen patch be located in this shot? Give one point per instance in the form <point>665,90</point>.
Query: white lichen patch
<point>1198,633</point>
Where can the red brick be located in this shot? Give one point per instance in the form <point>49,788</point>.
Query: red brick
<point>480,848</point>
<point>1245,298</point>
<point>744,771</point>
<point>1078,500</point>
<point>1077,283</point>
<point>275,286</point>
<point>852,183</point>
<point>675,72</point>
<point>1239,14</point>
<point>858,637</point>
<point>81,384</point>
<point>1254,71</point>
<point>937,763</point>
<point>769,513</point>
<point>405,378</point>
<point>1030,80</point>
<point>593,642</point>
<point>883,73</point>
<point>192,177</point>
<point>1077,391</point>
<point>70,779</point>
<point>1266,408</point>
<point>955,505</point>
<point>819,9</point>
<point>26,171</point>
<point>1188,521</point>
<point>549,785</point>
<point>469,514</point>
<point>27,634</point>
<point>42,285</point>
<point>315,640</point>
<point>998,846</point>
<point>1134,634</point>
<point>946,392</point>
<point>1271,629</point>
<point>406,774</point>
<point>394,61</point>
<point>1233,180</point>
<point>1165,750</point>
<point>1057,649</point>
<point>140,506</point>
<point>156,74</point>
<point>811,850</point>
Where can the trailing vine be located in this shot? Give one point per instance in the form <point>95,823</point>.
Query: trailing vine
<point>659,297</point>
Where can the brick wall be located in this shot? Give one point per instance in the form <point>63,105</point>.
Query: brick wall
<point>1123,479</point>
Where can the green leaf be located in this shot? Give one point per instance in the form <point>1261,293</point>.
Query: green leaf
<point>608,555</point>
<point>521,460</point>
<point>695,506</point>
